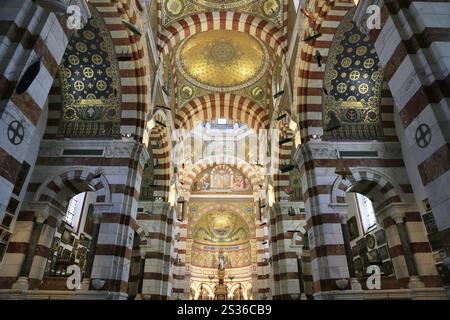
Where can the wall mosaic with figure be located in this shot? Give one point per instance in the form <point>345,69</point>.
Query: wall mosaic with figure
<point>222,178</point>
<point>90,85</point>
<point>353,81</point>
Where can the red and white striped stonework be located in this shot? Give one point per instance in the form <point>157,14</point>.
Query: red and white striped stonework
<point>131,51</point>
<point>317,158</point>
<point>32,33</point>
<point>286,248</point>
<point>222,105</point>
<point>160,142</point>
<point>413,49</point>
<point>55,176</point>
<point>283,155</point>
<point>169,37</point>
<point>159,253</point>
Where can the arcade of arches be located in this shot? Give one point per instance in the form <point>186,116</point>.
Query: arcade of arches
<point>181,149</point>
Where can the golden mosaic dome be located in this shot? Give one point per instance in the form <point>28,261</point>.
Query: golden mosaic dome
<point>222,60</point>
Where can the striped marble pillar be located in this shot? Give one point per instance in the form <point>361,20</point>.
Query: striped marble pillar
<point>400,248</point>
<point>38,245</point>
<point>157,258</point>
<point>43,247</point>
<point>387,218</point>
<point>342,208</point>
<point>97,211</point>
<point>421,249</point>
<point>413,48</point>
<point>32,33</point>
<point>326,241</point>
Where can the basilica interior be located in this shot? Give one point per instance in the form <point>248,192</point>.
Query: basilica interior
<point>225,150</point>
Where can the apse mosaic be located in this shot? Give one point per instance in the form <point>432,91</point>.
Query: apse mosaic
<point>221,227</point>
<point>237,257</point>
<point>353,83</point>
<point>222,178</point>
<point>221,231</point>
<point>90,86</point>
<point>221,61</point>
<point>271,10</point>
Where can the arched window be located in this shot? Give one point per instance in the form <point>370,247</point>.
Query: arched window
<point>366,212</point>
<point>74,209</point>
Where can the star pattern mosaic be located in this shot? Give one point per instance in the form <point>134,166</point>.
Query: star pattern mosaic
<point>89,83</point>
<point>353,82</point>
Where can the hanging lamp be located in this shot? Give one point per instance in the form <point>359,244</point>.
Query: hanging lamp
<point>132,27</point>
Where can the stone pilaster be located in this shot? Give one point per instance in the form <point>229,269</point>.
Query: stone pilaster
<point>97,212</point>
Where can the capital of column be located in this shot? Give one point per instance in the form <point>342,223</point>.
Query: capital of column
<point>43,210</point>
<point>395,210</point>
<point>99,209</point>
<point>341,209</point>
<point>143,249</point>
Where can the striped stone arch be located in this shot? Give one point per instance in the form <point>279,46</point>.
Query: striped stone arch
<point>132,53</point>
<point>69,181</point>
<point>309,95</point>
<point>222,105</point>
<point>211,161</point>
<point>370,183</point>
<point>174,34</point>
<point>131,48</point>
<point>160,147</point>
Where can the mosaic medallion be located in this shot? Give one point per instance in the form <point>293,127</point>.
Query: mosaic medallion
<point>186,92</point>
<point>257,92</point>
<point>270,8</point>
<point>174,7</point>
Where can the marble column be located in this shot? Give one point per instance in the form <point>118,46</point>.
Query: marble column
<point>414,280</point>
<point>40,215</point>
<point>342,208</point>
<point>301,278</point>
<point>393,221</point>
<point>143,249</point>
<point>43,248</point>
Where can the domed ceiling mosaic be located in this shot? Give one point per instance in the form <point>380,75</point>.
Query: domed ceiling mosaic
<point>222,60</point>
<point>353,81</point>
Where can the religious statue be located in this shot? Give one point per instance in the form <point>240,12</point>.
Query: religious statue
<point>221,260</point>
